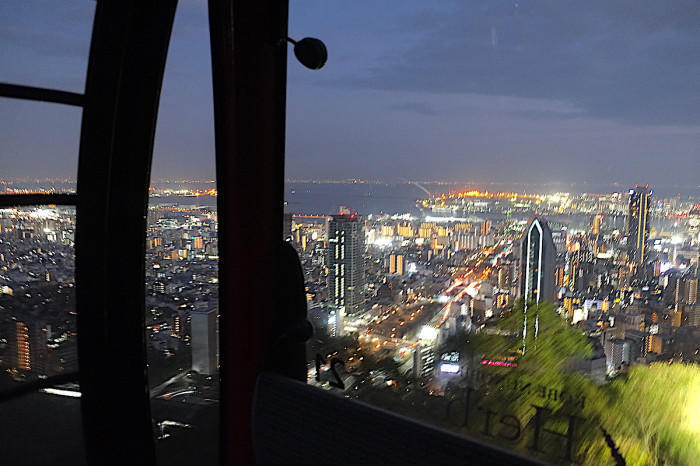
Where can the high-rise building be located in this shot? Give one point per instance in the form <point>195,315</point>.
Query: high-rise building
<point>538,256</point>
<point>503,277</point>
<point>426,230</point>
<point>423,361</point>
<point>485,227</point>
<point>691,290</point>
<point>537,260</point>
<point>463,227</point>
<point>396,264</point>
<point>204,340</point>
<point>22,347</point>
<point>335,321</point>
<point>638,225</point>
<point>177,326</point>
<point>346,251</point>
<point>685,292</point>
<point>287,227</point>
<point>617,352</point>
<point>29,347</point>
<point>597,222</point>
<point>691,316</point>
<point>560,276</point>
<point>405,230</point>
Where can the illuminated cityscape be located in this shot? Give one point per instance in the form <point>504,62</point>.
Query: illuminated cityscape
<point>392,295</point>
<point>350,233</point>
<point>461,265</point>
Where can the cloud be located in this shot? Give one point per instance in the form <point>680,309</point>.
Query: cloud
<point>633,61</point>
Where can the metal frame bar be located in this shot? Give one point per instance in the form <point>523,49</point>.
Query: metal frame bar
<point>16,200</point>
<point>40,94</point>
<point>127,60</point>
<point>249,60</point>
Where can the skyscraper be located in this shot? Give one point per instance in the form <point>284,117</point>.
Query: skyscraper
<point>597,221</point>
<point>537,260</point>
<point>29,347</point>
<point>396,264</point>
<point>204,340</point>
<point>21,347</point>
<point>346,249</point>
<point>638,223</point>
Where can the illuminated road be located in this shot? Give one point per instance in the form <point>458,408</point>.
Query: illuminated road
<point>399,327</point>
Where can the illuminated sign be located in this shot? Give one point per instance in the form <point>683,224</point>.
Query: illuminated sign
<point>452,356</point>
<point>488,362</point>
<point>449,367</point>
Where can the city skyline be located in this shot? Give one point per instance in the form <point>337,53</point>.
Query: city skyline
<point>433,291</point>
<point>488,223</point>
<point>438,186</point>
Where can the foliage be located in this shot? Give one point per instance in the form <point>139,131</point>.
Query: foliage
<point>652,414</point>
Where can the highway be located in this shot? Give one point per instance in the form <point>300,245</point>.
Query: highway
<point>398,327</point>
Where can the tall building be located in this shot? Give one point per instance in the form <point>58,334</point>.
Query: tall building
<point>387,230</point>
<point>423,361</point>
<point>29,347</point>
<point>335,322</point>
<point>22,347</point>
<point>425,230</point>
<point>177,326</point>
<point>346,250</point>
<point>691,290</point>
<point>405,230</point>
<point>485,227</point>
<point>287,227</point>
<point>537,260</point>
<point>692,316</point>
<point>597,222</point>
<point>638,225</point>
<point>396,264</point>
<point>204,340</point>
<point>504,277</point>
<point>685,294</point>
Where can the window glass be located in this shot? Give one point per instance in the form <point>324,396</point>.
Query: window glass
<point>42,47</point>
<point>38,329</point>
<point>39,153</point>
<point>497,212</point>
<point>45,45</point>
<point>182,308</point>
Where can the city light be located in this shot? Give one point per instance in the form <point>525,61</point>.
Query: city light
<point>488,362</point>
<point>449,368</point>
<point>428,333</point>
<point>61,392</point>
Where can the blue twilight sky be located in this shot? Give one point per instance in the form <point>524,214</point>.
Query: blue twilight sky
<point>594,91</point>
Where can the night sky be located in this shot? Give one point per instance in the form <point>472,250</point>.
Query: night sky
<point>594,91</point>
